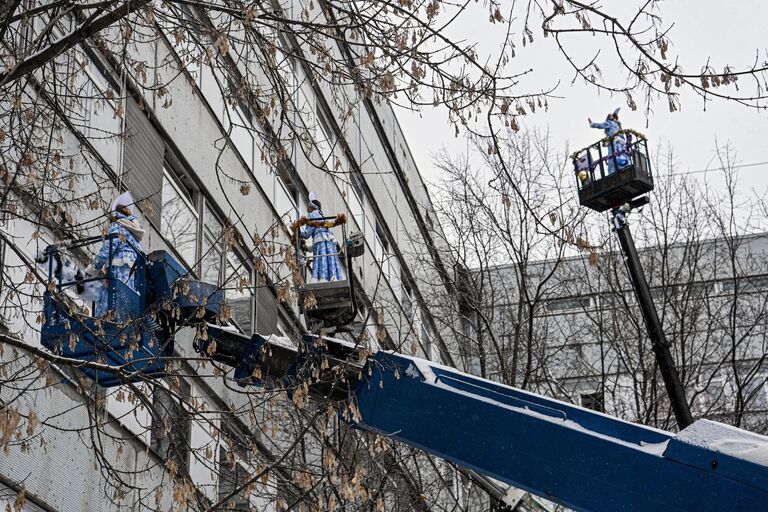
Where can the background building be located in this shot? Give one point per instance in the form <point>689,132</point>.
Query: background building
<point>589,345</point>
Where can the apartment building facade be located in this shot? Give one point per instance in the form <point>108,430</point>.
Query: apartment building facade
<point>212,194</point>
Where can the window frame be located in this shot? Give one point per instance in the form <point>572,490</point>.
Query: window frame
<point>204,428</point>
<point>226,251</point>
<point>250,287</point>
<point>218,243</point>
<point>139,420</point>
<point>594,401</point>
<point>383,253</point>
<point>585,303</point>
<point>187,196</point>
<point>161,443</point>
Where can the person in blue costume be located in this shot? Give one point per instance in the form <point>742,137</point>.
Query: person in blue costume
<point>125,224</point>
<point>611,127</point>
<point>325,262</point>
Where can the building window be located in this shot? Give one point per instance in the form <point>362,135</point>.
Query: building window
<point>611,300</point>
<point>239,292</point>
<point>746,284</point>
<point>129,410</point>
<point>92,109</point>
<point>755,284</point>
<point>406,297</point>
<point>355,200</point>
<point>172,428</point>
<point>426,341</point>
<point>237,467</point>
<point>178,219</point>
<point>242,136</point>
<point>429,221</point>
<point>325,138</point>
<point>210,84</point>
<point>214,247</point>
<point>393,273</point>
<point>233,473</point>
<point>593,401</point>
<point>283,200</point>
<point>351,189</point>
<point>382,254</point>
<point>662,294</point>
<point>4,215</point>
<point>287,66</point>
<point>222,264</point>
<point>569,304</point>
<point>204,447</point>
<point>756,392</point>
<point>714,392</point>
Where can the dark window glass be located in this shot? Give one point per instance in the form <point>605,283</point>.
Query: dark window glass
<point>593,401</point>
<point>171,429</point>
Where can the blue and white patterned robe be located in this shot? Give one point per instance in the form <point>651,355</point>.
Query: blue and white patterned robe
<point>618,147</point>
<point>123,258</point>
<point>325,264</point>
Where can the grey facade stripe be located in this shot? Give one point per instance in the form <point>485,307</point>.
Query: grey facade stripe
<point>143,161</point>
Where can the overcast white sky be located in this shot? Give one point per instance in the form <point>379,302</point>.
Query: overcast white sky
<point>728,32</point>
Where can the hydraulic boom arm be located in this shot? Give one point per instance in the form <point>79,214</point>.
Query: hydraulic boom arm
<point>580,458</point>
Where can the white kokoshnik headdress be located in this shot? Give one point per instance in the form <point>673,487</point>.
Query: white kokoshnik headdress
<point>314,201</point>
<point>124,199</point>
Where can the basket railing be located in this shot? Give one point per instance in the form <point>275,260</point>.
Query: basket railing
<point>600,159</point>
<point>137,270</point>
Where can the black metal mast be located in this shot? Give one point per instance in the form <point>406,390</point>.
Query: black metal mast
<point>653,324</point>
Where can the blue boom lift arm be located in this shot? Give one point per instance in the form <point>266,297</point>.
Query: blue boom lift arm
<point>579,458</point>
